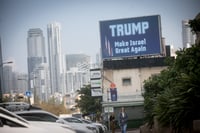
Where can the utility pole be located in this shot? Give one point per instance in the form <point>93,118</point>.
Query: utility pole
<point>108,100</point>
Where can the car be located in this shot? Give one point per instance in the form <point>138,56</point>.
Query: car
<point>45,116</point>
<point>87,119</point>
<point>72,119</point>
<point>102,127</point>
<point>11,123</point>
<point>15,106</point>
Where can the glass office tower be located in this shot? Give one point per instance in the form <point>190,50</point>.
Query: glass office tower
<point>36,49</point>
<point>55,59</point>
<point>36,57</point>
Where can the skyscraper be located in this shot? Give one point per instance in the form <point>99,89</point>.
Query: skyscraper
<point>55,59</point>
<point>1,74</point>
<point>78,71</point>
<point>73,60</point>
<point>187,36</point>
<point>8,79</point>
<point>36,54</point>
<point>41,83</point>
<point>36,49</point>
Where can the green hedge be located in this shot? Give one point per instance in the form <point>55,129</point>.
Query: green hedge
<point>135,123</point>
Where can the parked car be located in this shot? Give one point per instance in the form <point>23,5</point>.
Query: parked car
<point>11,123</point>
<point>15,106</point>
<point>72,119</point>
<point>45,116</point>
<point>102,127</point>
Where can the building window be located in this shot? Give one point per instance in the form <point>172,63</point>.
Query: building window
<point>126,81</point>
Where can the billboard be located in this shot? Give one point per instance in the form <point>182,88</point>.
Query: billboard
<point>130,37</point>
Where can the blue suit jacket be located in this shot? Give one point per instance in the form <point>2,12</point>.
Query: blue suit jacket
<point>122,120</point>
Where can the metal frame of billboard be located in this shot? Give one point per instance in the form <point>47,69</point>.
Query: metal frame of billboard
<point>138,27</point>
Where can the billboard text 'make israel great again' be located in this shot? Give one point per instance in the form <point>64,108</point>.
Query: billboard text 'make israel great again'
<point>130,37</point>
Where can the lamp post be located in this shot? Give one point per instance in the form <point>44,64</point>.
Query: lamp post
<point>1,79</point>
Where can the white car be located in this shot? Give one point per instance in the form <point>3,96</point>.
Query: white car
<point>11,123</point>
<point>52,126</point>
<point>102,127</point>
<point>75,120</point>
<point>44,116</point>
<point>15,106</point>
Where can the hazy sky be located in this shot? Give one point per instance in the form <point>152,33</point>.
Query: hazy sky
<point>79,21</point>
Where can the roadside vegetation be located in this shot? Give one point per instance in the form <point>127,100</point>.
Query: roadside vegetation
<point>89,105</point>
<point>53,107</point>
<point>173,97</point>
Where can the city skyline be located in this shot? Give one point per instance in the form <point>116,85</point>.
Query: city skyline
<point>80,22</point>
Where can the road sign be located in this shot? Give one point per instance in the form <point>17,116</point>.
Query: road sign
<point>28,93</point>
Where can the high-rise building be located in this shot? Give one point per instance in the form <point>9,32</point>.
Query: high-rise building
<point>22,84</point>
<point>1,74</point>
<point>8,79</point>
<point>41,82</point>
<point>36,54</point>
<point>55,59</point>
<point>187,36</point>
<point>78,71</point>
<point>36,49</point>
<point>73,60</point>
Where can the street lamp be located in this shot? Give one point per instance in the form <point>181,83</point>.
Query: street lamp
<point>1,79</point>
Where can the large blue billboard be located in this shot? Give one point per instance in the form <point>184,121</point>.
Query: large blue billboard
<point>130,37</point>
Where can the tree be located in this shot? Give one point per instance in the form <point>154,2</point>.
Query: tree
<point>87,103</point>
<point>173,96</point>
<point>154,87</point>
<point>195,24</point>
